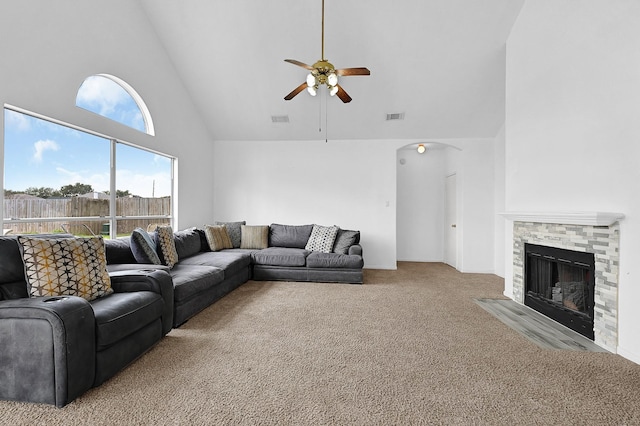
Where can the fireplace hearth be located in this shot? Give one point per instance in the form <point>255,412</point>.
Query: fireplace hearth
<point>559,283</point>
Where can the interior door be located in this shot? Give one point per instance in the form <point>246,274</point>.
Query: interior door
<point>450,225</point>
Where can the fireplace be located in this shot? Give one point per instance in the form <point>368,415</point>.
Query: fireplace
<point>595,233</point>
<point>560,284</point>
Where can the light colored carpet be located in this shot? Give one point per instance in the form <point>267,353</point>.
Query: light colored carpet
<point>408,347</point>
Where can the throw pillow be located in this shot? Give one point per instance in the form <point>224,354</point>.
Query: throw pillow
<point>234,229</point>
<point>143,247</point>
<point>217,237</point>
<point>66,266</point>
<point>322,238</point>
<point>344,240</point>
<point>167,246</point>
<point>254,237</point>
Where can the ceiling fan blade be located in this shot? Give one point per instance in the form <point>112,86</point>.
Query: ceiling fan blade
<point>353,71</point>
<point>344,96</point>
<point>295,91</point>
<point>300,64</point>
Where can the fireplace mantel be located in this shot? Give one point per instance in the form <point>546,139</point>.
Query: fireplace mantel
<point>567,218</point>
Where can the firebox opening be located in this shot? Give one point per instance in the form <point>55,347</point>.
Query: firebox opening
<point>560,284</point>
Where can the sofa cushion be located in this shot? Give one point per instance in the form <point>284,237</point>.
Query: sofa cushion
<point>166,245</point>
<point>322,238</point>
<point>235,231</point>
<point>217,237</point>
<point>334,260</point>
<point>231,262</point>
<point>65,266</point>
<point>122,314</point>
<point>344,240</point>
<point>143,247</point>
<point>11,267</point>
<point>280,256</point>
<point>190,280</point>
<point>187,242</point>
<point>291,236</point>
<point>254,237</point>
<point>118,250</point>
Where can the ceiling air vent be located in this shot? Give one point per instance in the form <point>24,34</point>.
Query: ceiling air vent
<point>279,118</point>
<point>395,116</point>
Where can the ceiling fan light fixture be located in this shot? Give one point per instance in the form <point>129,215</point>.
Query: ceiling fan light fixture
<point>311,80</point>
<point>312,90</point>
<point>333,90</point>
<point>332,79</point>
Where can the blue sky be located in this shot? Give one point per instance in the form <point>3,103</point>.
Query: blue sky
<point>40,153</point>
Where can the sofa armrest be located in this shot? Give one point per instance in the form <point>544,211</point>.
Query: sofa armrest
<point>47,349</point>
<point>356,249</point>
<point>155,280</point>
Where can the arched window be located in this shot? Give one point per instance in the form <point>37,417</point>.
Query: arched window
<point>113,98</point>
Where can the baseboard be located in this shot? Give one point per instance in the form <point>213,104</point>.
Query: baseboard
<point>628,355</point>
<point>386,267</point>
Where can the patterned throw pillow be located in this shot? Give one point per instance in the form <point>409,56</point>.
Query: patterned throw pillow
<point>65,266</point>
<point>254,237</point>
<point>234,230</point>
<point>217,237</point>
<point>143,247</point>
<point>322,238</point>
<point>166,245</point>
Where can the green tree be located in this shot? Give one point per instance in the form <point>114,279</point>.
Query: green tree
<point>75,189</point>
<point>42,192</point>
<point>120,193</point>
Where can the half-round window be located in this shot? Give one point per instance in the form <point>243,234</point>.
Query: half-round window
<point>113,98</point>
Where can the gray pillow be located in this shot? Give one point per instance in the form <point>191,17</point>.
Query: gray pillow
<point>344,240</point>
<point>291,236</point>
<point>234,230</point>
<point>118,250</point>
<point>143,247</point>
<point>187,242</point>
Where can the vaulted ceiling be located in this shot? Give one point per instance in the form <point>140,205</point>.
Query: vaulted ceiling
<point>439,62</point>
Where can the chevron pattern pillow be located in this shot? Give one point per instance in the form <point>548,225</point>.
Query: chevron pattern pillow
<point>65,267</point>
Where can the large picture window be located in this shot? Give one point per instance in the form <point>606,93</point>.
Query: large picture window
<point>61,178</point>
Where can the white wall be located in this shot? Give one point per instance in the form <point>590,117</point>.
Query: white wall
<point>499,207</point>
<point>351,184</point>
<point>572,128</point>
<point>476,205</point>
<point>49,48</point>
<point>420,204</point>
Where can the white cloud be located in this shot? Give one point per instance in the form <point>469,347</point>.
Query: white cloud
<point>98,181</point>
<point>101,92</point>
<point>44,145</point>
<point>16,120</point>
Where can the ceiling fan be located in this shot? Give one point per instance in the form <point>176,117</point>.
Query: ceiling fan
<point>323,72</point>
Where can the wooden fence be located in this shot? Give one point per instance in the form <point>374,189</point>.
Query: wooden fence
<point>83,207</point>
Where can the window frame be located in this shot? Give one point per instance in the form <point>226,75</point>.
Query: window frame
<point>113,218</point>
<point>142,106</point>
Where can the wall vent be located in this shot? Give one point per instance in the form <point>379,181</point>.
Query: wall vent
<point>279,118</point>
<point>395,116</point>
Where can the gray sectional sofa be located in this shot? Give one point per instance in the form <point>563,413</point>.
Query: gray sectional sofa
<point>53,349</point>
<point>201,276</point>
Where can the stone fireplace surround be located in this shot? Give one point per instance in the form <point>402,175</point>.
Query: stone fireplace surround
<point>597,233</point>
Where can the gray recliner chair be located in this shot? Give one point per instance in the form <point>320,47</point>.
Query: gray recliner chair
<point>53,349</point>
